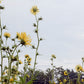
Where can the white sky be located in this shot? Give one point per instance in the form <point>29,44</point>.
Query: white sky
<point>62,28</point>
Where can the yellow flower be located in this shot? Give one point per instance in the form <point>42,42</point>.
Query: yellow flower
<point>34,10</point>
<point>64,80</point>
<point>82,80</point>
<point>54,83</point>
<point>20,62</point>
<point>28,59</point>
<point>65,73</point>
<point>60,83</point>
<point>4,82</point>
<point>24,39</point>
<point>26,56</point>
<point>11,80</point>
<point>7,35</point>
<point>79,68</point>
<point>29,64</point>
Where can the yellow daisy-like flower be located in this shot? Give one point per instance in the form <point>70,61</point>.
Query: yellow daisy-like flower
<point>65,80</point>
<point>11,80</point>
<point>7,35</point>
<point>82,80</point>
<point>24,39</point>
<point>28,59</point>
<point>79,68</point>
<point>34,10</point>
<point>29,64</point>
<point>20,62</point>
<point>26,56</point>
<point>65,73</point>
<point>61,83</point>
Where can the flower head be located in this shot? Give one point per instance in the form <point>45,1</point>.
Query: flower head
<point>20,62</point>
<point>34,10</point>
<point>26,56</point>
<point>79,68</point>
<point>11,80</point>
<point>82,80</point>
<point>7,35</point>
<point>29,64</point>
<point>24,39</point>
<point>64,80</point>
<point>29,59</point>
<point>65,73</point>
<point>61,83</point>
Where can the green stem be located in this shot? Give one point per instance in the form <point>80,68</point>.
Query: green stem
<point>36,50</point>
<point>78,78</point>
<point>52,72</point>
<point>37,45</point>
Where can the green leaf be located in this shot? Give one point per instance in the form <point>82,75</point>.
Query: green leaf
<point>24,79</point>
<point>30,82</point>
<point>21,79</point>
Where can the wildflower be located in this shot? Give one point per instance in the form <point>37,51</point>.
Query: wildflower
<point>26,56</point>
<point>34,10</point>
<point>28,59</point>
<point>11,80</point>
<point>20,62</point>
<point>79,68</point>
<point>4,82</point>
<point>82,80</point>
<point>53,56</point>
<point>65,73</point>
<point>64,80</point>
<point>29,64</point>
<point>24,39</point>
<point>7,35</point>
<point>60,83</point>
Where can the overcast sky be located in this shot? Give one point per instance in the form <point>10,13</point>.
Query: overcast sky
<point>62,28</point>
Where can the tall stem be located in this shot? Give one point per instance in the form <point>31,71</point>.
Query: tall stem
<point>52,72</point>
<point>37,45</point>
